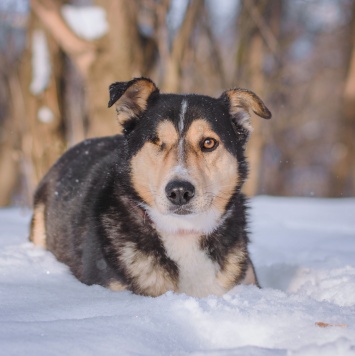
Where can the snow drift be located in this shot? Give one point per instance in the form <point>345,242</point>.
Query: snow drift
<point>304,252</point>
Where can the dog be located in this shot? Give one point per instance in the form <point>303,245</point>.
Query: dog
<point>159,207</point>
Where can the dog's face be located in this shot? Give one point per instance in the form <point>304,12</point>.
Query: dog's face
<point>187,151</point>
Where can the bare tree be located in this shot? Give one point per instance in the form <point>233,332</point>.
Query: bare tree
<point>343,183</point>
<point>258,22</point>
<point>115,56</point>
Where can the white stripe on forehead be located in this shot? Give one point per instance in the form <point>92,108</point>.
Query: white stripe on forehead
<point>182,116</point>
<point>181,126</point>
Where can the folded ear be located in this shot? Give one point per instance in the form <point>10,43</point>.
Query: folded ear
<point>239,102</point>
<point>131,98</point>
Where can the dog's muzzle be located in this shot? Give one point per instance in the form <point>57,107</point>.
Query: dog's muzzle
<point>179,192</point>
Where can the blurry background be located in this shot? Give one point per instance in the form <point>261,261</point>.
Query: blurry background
<point>57,59</point>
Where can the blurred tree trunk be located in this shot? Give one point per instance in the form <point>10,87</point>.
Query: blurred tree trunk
<point>9,162</point>
<point>113,57</point>
<point>191,60</point>
<point>343,182</point>
<point>38,112</point>
<point>173,58</point>
<point>118,57</point>
<point>9,139</point>
<point>256,23</point>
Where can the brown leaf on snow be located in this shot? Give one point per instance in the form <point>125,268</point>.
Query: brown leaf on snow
<point>326,325</point>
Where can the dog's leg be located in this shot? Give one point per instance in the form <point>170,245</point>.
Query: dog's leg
<point>38,228</point>
<point>250,276</point>
<point>116,286</point>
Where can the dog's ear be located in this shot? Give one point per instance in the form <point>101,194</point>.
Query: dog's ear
<point>131,99</point>
<point>239,102</point>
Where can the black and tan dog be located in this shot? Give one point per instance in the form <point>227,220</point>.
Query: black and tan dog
<point>158,208</point>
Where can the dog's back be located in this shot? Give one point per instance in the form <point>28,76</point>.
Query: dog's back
<point>63,200</point>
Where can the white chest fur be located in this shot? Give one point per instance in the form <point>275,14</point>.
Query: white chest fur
<point>197,272</point>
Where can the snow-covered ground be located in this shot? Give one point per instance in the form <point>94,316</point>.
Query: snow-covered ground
<point>304,252</point>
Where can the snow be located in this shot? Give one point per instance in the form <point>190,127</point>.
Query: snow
<point>88,22</point>
<point>303,250</point>
<point>41,64</point>
<point>45,114</point>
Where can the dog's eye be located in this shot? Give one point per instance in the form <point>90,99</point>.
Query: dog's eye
<point>209,144</point>
<point>155,140</point>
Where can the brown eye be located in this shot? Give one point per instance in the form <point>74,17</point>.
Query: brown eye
<point>209,144</point>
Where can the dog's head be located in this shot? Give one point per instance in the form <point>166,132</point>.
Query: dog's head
<point>186,151</point>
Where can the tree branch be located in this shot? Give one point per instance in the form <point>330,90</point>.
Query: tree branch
<point>172,76</point>
<point>264,29</point>
<point>79,50</point>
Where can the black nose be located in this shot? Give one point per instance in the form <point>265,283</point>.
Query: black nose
<point>179,192</point>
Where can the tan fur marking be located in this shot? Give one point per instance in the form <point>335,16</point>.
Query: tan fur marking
<point>250,277</point>
<point>134,100</point>
<point>167,133</point>
<point>227,276</point>
<point>123,116</point>
<point>38,231</point>
<point>116,286</point>
<point>243,99</point>
<point>240,103</point>
<point>150,277</point>
<point>214,172</point>
<point>151,164</point>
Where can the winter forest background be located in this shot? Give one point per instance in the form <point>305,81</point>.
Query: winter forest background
<point>57,59</point>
